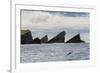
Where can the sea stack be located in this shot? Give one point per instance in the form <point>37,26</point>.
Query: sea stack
<point>26,37</point>
<point>59,38</point>
<point>36,41</point>
<point>44,39</point>
<point>75,39</point>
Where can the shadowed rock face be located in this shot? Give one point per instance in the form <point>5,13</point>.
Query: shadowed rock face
<point>75,39</point>
<point>26,37</point>
<point>44,39</point>
<point>59,38</point>
<point>36,41</point>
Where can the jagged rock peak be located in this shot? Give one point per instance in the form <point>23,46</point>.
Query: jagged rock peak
<point>59,38</point>
<point>75,39</point>
<point>44,39</point>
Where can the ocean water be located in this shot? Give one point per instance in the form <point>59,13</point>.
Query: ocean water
<point>31,53</point>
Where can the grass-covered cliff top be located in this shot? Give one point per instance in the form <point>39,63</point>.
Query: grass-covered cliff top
<point>24,31</point>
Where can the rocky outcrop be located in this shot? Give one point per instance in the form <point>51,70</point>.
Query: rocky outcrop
<point>44,39</point>
<point>59,38</point>
<point>26,37</point>
<point>75,39</point>
<point>36,41</point>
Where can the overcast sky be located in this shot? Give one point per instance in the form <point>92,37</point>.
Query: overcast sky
<point>54,19</point>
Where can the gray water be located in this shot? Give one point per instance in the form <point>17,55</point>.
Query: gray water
<point>31,53</point>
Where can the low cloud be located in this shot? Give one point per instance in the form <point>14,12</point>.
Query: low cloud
<point>40,19</point>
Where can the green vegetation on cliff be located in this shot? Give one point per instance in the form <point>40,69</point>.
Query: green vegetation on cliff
<point>23,32</point>
<point>26,37</point>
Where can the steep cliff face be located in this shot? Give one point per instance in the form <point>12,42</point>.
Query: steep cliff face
<point>75,39</point>
<point>59,38</point>
<point>44,39</point>
<point>36,41</point>
<point>26,37</point>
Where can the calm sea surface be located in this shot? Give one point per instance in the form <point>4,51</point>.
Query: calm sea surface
<point>31,53</point>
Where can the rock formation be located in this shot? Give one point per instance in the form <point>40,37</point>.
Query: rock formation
<point>26,37</point>
<point>75,39</point>
<point>59,38</point>
<point>36,41</point>
<point>44,39</point>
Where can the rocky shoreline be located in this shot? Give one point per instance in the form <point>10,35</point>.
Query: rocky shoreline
<point>26,38</point>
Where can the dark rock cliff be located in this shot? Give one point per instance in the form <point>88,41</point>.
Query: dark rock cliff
<point>36,41</point>
<point>44,39</point>
<point>75,39</point>
<point>59,38</point>
<point>26,37</point>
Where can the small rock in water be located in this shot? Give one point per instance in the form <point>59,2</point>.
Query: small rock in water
<point>69,53</point>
